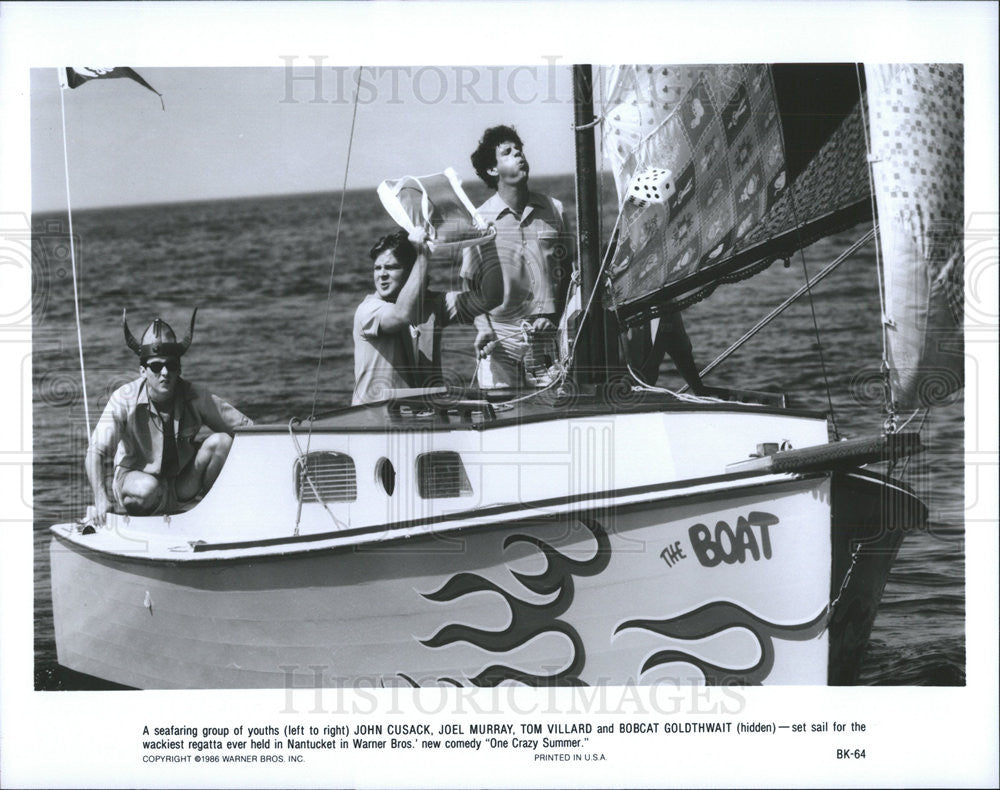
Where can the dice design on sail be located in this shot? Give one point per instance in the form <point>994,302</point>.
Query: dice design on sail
<point>653,185</point>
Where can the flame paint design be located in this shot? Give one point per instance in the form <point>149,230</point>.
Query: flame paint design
<point>718,616</point>
<point>527,620</point>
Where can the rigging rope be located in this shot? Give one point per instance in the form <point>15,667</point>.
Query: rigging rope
<point>702,293</point>
<point>924,413</point>
<point>639,383</point>
<point>333,268</point>
<point>72,256</point>
<point>812,309</point>
<point>584,127</point>
<point>593,292</point>
<point>336,245</point>
<point>784,305</point>
<point>890,408</point>
<point>600,166</point>
<point>832,605</point>
<point>306,477</point>
<point>566,363</point>
<point>562,371</point>
<point>680,394</point>
<point>333,262</point>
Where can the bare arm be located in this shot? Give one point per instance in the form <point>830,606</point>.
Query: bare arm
<point>482,276</point>
<point>94,466</point>
<point>103,442</point>
<point>484,336</point>
<point>220,416</point>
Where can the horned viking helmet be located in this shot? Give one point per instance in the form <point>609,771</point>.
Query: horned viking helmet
<point>159,339</point>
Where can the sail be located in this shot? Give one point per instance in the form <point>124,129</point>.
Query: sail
<point>721,169</point>
<point>917,160</point>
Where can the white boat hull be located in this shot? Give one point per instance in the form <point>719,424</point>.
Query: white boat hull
<point>723,586</point>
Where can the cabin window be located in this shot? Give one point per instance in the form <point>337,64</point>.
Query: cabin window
<point>442,474</point>
<point>326,477</point>
<point>385,473</point>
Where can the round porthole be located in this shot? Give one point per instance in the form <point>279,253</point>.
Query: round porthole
<point>385,473</point>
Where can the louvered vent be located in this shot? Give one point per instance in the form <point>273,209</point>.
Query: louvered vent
<point>332,476</point>
<point>442,474</point>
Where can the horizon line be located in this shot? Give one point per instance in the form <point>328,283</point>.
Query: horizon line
<point>257,196</point>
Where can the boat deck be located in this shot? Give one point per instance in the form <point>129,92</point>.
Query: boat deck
<point>451,409</point>
<point>438,461</point>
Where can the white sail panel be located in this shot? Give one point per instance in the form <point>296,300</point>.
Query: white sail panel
<point>723,168</point>
<point>713,135</point>
<point>640,98</point>
<point>917,152</point>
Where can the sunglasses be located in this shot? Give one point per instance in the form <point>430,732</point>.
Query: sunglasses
<point>156,367</point>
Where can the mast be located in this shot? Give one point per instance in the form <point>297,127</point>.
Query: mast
<point>591,359</point>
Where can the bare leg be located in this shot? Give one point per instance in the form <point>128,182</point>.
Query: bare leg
<point>639,352</point>
<point>205,468</point>
<point>141,493</point>
<point>672,338</point>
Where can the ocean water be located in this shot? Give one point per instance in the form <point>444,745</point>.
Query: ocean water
<point>259,270</point>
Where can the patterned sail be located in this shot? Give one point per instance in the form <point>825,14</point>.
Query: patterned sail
<point>723,168</point>
<point>917,159</point>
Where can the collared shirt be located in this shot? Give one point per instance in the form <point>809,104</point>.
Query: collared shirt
<point>132,424</point>
<point>534,251</point>
<point>386,361</point>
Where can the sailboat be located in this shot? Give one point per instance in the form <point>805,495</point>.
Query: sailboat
<point>601,531</point>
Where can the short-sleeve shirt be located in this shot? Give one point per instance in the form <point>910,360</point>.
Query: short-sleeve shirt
<point>534,252</point>
<point>386,361</point>
<point>131,425</point>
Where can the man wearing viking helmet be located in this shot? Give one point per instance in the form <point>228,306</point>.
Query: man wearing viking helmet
<point>151,425</point>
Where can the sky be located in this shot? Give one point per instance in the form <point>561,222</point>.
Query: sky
<point>228,132</point>
<point>234,125</point>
